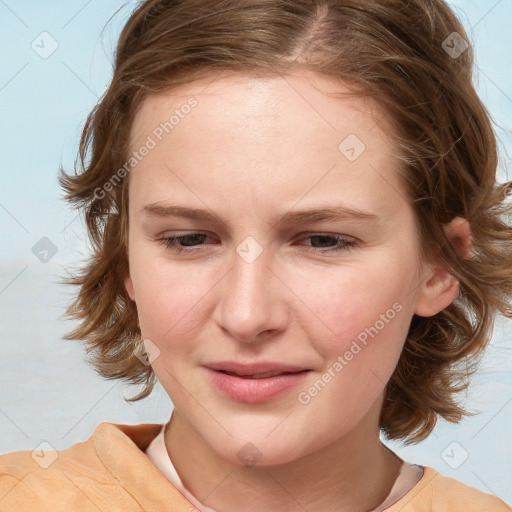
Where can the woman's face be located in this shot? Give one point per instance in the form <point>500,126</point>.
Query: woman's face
<point>280,314</point>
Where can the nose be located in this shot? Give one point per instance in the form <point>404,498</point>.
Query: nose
<point>252,305</point>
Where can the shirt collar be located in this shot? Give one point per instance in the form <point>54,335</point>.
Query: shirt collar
<point>121,449</point>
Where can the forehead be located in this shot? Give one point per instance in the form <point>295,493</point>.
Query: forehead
<point>249,98</point>
<point>258,134</point>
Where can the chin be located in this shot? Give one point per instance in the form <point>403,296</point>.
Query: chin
<point>261,444</point>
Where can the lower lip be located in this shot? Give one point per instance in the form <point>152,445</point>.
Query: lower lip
<point>255,391</point>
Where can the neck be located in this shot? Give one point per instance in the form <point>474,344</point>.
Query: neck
<point>353,473</point>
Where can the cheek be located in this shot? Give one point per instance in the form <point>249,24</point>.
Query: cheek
<point>171,300</point>
<point>363,306</point>
<point>367,318</point>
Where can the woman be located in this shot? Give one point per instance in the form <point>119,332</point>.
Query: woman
<point>297,230</point>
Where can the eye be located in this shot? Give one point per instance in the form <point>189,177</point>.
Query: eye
<point>330,243</point>
<point>321,243</point>
<point>183,243</point>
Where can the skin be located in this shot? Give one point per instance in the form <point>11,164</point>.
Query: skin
<point>251,150</point>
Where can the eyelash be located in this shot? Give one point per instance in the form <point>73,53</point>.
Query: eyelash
<point>172,243</point>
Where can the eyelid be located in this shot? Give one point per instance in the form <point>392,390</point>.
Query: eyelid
<point>306,234</point>
<point>185,232</point>
<point>348,242</point>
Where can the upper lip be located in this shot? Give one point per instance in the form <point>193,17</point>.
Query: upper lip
<point>254,368</point>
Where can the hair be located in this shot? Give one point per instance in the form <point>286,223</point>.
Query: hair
<point>396,53</point>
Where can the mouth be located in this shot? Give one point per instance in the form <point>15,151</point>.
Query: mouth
<point>264,375</point>
<point>254,383</point>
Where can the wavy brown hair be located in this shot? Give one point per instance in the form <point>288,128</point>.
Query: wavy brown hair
<point>405,56</point>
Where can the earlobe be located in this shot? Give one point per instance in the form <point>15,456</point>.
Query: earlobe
<point>438,291</point>
<point>128,284</point>
<point>440,288</point>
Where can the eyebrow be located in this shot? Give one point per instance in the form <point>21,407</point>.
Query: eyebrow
<point>328,214</point>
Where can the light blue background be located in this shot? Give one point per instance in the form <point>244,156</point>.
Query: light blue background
<point>47,391</point>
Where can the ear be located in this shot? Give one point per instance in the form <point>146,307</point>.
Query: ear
<point>439,288</point>
<point>458,233</point>
<point>128,284</point>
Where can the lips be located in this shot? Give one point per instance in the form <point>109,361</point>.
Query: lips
<point>256,382</point>
<point>256,375</point>
<point>255,370</point>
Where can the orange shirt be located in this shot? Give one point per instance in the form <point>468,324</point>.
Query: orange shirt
<point>110,472</point>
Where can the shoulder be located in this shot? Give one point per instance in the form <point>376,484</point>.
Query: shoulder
<point>457,495</point>
<point>438,493</point>
<point>74,478</point>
